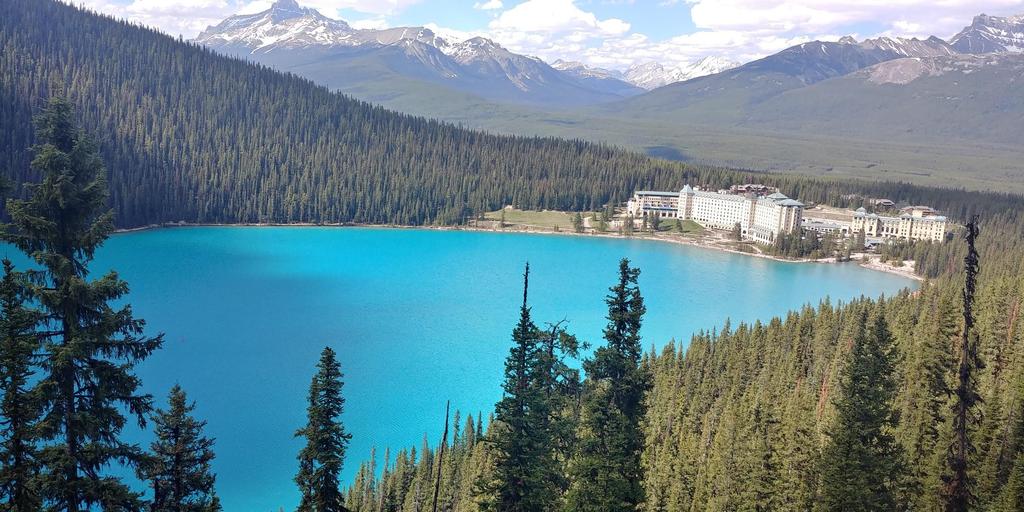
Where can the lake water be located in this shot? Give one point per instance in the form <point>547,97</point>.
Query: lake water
<point>417,317</point>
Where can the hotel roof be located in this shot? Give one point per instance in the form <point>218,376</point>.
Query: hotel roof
<point>656,193</point>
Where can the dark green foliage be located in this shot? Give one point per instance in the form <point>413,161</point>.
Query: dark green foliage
<point>402,482</point>
<point>533,431</point>
<point>577,222</point>
<point>178,469</point>
<point>518,486</point>
<point>90,347</point>
<point>862,463</point>
<point>20,405</point>
<point>958,490</point>
<point>321,459</point>
<point>606,474</point>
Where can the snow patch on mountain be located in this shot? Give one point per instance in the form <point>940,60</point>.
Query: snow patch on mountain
<point>581,70</point>
<point>651,75</point>
<point>991,34</point>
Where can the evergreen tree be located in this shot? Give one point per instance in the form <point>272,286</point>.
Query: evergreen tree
<point>518,483</point>
<point>577,222</point>
<point>321,459</point>
<point>761,469</point>
<point>19,408</point>
<point>90,346</point>
<point>179,467</point>
<point>862,464</point>
<point>958,484</point>
<point>606,472</point>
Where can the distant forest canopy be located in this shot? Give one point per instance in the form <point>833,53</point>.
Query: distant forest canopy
<point>188,135</point>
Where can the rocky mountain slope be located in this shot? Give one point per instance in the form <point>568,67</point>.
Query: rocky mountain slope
<point>952,97</point>
<point>651,75</point>
<point>725,97</point>
<point>380,64</point>
<point>991,34</point>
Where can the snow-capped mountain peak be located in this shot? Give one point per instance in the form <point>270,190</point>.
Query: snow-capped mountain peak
<point>906,47</point>
<point>991,34</point>
<point>651,75</point>
<point>709,66</point>
<point>582,70</point>
<point>285,23</point>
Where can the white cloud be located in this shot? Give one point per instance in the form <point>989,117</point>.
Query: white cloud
<point>942,18</point>
<point>554,18</point>
<point>489,5</point>
<point>380,7</point>
<point>552,29</point>
<point>378,23</point>
<point>186,17</point>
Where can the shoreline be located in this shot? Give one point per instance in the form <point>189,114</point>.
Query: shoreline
<point>873,263</point>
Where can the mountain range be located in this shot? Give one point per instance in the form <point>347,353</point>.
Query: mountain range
<point>379,64</point>
<point>918,107</point>
<point>414,65</point>
<point>293,38</point>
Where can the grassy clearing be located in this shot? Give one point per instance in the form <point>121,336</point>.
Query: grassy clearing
<point>689,227</point>
<point>542,219</point>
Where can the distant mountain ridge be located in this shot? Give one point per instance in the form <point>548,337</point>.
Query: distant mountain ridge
<point>886,89</point>
<point>991,34</point>
<point>651,75</point>
<point>293,38</point>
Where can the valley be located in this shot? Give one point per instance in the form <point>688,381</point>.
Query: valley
<point>842,108</point>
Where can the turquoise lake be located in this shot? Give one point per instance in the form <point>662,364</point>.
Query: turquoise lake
<point>417,317</point>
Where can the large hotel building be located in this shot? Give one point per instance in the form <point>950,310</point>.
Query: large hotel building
<point>914,223</point>
<point>761,218</point>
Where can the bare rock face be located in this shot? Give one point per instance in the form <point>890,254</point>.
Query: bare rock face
<point>991,34</point>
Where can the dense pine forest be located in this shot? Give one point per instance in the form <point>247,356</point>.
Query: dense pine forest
<point>188,135</point>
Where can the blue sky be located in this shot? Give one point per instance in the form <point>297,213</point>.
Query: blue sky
<point>609,33</point>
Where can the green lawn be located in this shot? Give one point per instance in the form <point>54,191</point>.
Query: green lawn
<point>671,226</point>
<point>543,219</point>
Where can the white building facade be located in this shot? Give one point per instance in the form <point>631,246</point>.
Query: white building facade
<point>760,218</point>
<point>914,223</point>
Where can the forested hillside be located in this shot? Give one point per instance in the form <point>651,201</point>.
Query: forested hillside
<point>773,416</point>
<point>187,135</point>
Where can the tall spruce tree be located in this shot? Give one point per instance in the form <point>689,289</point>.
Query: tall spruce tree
<point>957,491</point>
<point>321,459</point>
<point>862,463</point>
<point>19,408</point>
<point>534,430</point>
<point>90,346</point>
<point>606,472</point>
<point>179,467</point>
<point>517,485</point>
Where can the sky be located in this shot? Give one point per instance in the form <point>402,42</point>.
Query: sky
<point>607,33</point>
